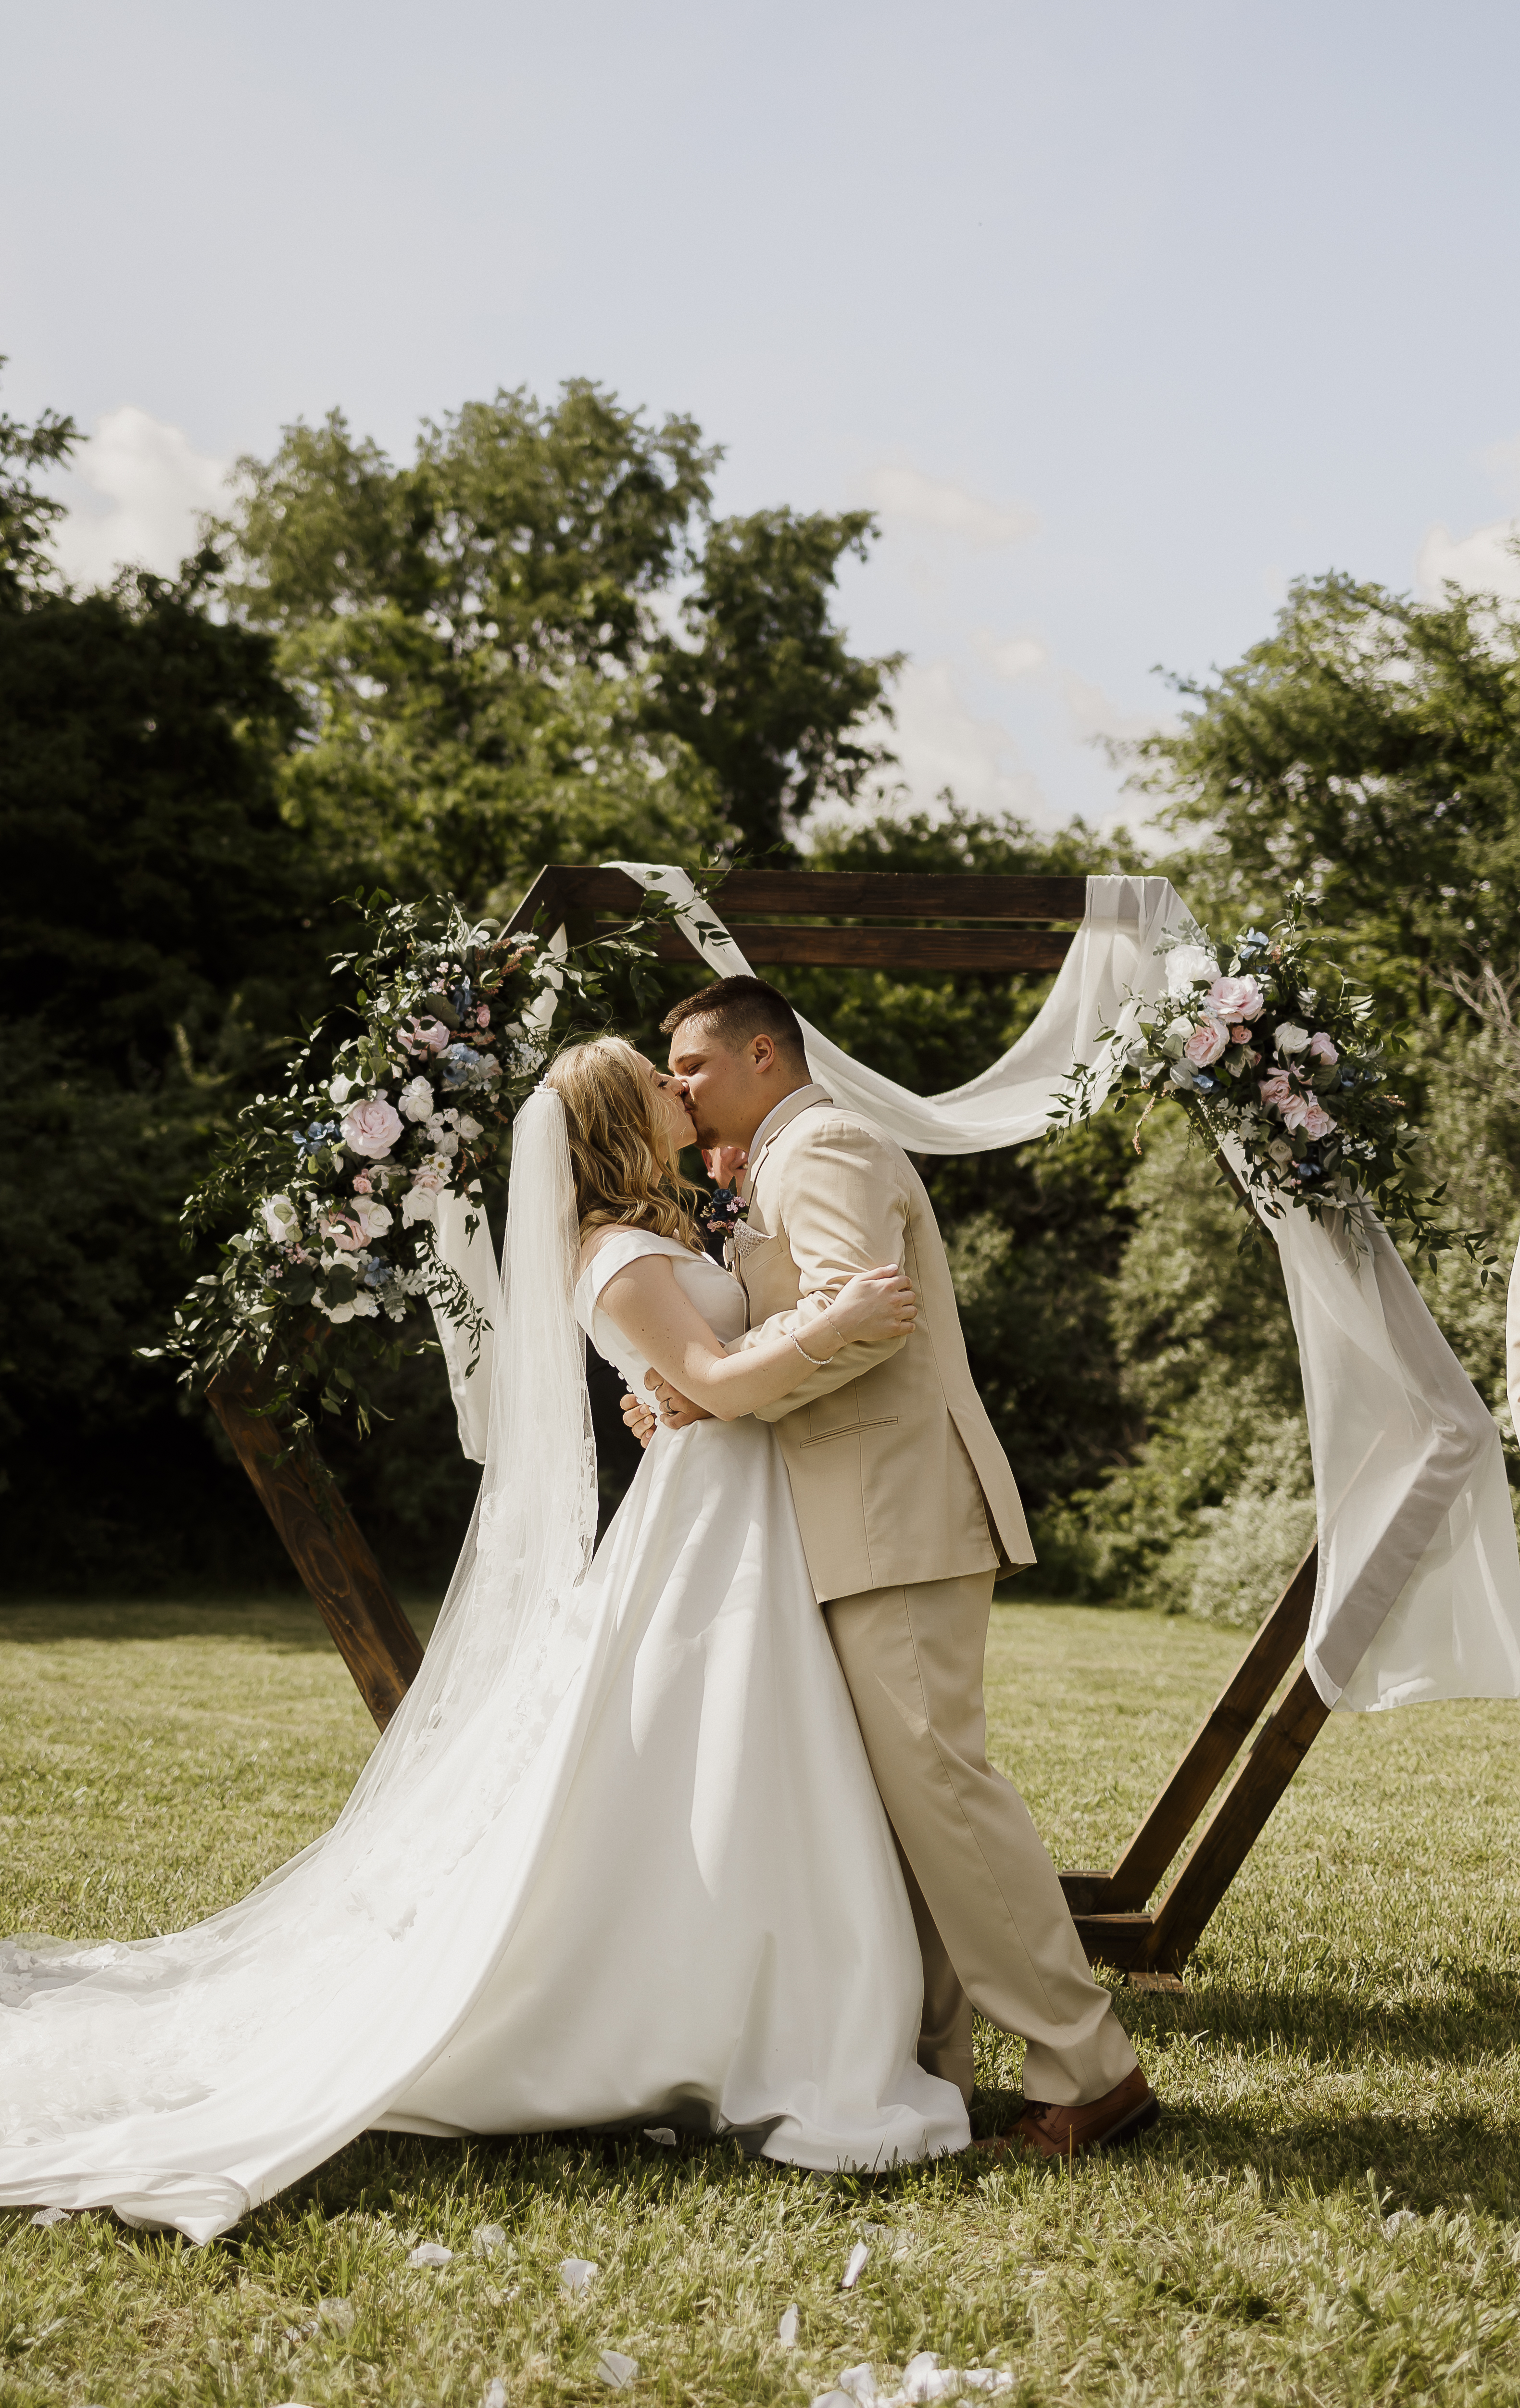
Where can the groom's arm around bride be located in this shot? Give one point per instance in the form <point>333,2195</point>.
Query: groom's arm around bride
<point>909,1510</point>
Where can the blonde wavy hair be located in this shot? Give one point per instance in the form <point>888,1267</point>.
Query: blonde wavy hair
<point>617,1146</point>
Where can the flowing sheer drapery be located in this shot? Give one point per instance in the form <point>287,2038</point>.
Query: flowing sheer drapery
<point>1419,1580</point>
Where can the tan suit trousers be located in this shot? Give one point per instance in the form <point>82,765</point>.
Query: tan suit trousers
<point>993,1922</point>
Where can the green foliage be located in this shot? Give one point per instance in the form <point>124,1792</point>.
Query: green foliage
<point>1210,1509</point>
<point>1371,746</point>
<point>158,934</point>
<point>764,690</point>
<point>27,517</point>
<point>485,642</point>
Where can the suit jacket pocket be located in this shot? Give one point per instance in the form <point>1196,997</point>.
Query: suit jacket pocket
<point>849,1429</point>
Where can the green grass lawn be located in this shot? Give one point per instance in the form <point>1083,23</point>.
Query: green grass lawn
<point>1345,2048</point>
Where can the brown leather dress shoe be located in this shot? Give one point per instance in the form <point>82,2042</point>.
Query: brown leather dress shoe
<point>1108,2123</point>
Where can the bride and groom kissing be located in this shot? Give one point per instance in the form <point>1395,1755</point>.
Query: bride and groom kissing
<point>697,1830</point>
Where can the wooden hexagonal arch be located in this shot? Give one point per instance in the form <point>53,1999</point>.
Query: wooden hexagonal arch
<point>901,922</point>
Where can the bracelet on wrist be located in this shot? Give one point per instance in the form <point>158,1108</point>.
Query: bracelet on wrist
<point>813,1359</point>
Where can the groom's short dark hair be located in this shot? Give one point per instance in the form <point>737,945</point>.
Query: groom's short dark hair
<point>738,1009</point>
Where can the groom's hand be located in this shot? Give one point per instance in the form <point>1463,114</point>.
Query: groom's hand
<point>676,1411</point>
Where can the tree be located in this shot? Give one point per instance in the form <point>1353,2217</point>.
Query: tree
<point>27,517</point>
<point>766,690</point>
<point>1371,746</point>
<point>495,666</point>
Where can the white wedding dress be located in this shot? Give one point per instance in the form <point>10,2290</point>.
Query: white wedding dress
<point>618,1857</point>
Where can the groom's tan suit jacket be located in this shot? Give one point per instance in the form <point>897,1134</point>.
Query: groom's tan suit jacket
<point>896,1471</point>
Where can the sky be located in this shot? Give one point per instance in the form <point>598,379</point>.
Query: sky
<point>1120,319</point>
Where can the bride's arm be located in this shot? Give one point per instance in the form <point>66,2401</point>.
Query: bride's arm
<point>653,1310</point>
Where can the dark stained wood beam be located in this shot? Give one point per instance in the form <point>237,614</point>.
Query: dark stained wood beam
<point>888,949</point>
<point>1214,1745</point>
<point>843,894</point>
<point>1236,1824</point>
<point>324,1543</point>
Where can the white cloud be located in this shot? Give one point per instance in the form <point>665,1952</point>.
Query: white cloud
<point>1090,712</point>
<point>1011,657</point>
<point>903,493</point>
<point>143,489</point>
<point>939,742</point>
<point>1483,561</point>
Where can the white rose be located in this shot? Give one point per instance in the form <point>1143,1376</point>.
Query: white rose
<point>419,1204</point>
<point>1291,1039</point>
<point>1187,967</point>
<point>469,1128</point>
<point>281,1218</point>
<point>416,1100</point>
<point>373,1218</point>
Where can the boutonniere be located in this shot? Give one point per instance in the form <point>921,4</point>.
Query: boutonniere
<point>723,1212</point>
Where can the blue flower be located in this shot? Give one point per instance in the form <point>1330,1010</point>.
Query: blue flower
<point>1204,1082</point>
<point>461,997</point>
<point>378,1274</point>
<point>320,1133</point>
<point>457,1064</point>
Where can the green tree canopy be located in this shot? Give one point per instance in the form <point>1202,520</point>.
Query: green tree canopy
<point>1371,746</point>
<point>534,642</point>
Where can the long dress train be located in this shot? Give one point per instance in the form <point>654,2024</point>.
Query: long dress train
<point>636,1871</point>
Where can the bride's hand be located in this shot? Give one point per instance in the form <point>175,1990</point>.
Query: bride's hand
<point>874,1305</point>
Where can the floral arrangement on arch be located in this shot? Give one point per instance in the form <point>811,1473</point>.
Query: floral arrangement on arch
<point>1280,1056</point>
<point>335,1181</point>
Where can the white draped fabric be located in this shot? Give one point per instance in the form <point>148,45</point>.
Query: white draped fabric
<point>1419,1580</point>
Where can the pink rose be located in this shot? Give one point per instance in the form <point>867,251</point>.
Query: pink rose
<point>1304,1113</point>
<point>1277,1092</point>
<point>371,1128</point>
<point>424,1036</point>
<point>360,1182</point>
<point>1235,998</point>
<point>1205,1044</point>
<point>1240,1035</point>
<point>483,1018</point>
<point>1323,1049</point>
<point>344,1231</point>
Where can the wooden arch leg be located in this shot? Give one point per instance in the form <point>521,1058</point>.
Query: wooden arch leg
<point>325,1544</point>
<point>1109,1908</point>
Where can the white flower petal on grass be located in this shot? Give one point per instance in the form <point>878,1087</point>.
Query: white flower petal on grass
<point>487,2239</point>
<point>1400,2221</point>
<point>661,2133</point>
<point>987,2378</point>
<point>576,2272</point>
<point>833,2399</point>
<point>924,2378</point>
<point>494,2394</point>
<point>786,2331</point>
<point>860,2383</point>
<point>856,2267</point>
<point>617,2370</point>
<point>430,2253</point>
<point>46,2215</point>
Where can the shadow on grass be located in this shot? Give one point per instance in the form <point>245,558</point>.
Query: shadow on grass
<point>1458,2163</point>
<point>1478,2009</point>
<point>284,1626</point>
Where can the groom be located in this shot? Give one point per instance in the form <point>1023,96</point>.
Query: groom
<point>908,1510</point>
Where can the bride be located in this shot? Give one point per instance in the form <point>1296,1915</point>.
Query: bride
<point>618,1857</point>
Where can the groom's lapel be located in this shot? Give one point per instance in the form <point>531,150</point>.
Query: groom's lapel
<point>782,1117</point>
